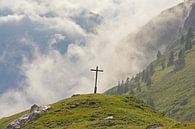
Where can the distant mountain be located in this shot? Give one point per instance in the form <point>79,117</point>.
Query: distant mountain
<point>162,31</point>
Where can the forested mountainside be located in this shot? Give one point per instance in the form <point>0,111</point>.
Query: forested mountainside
<point>168,83</point>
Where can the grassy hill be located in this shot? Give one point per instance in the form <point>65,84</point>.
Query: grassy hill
<point>125,111</point>
<point>171,91</point>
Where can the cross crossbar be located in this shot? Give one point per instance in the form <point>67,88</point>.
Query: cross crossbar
<point>97,70</point>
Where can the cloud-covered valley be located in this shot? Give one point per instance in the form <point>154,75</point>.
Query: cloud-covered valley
<point>48,47</point>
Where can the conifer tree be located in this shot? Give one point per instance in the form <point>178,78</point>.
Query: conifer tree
<point>181,54</point>
<point>127,81</point>
<point>138,87</point>
<point>171,59</point>
<point>163,64</point>
<point>143,75</point>
<point>149,82</point>
<point>132,79</point>
<point>188,45</point>
<point>159,55</point>
<point>131,90</point>
<point>150,101</point>
<point>180,63</point>
<point>137,77</point>
<point>125,88</point>
<point>151,70</point>
<point>182,40</point>
<point>189,35</point>
<point>148,76</point>
<point>119,91</point>
<point>122,83</point>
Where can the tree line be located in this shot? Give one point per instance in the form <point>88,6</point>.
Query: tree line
<point>175,59</point>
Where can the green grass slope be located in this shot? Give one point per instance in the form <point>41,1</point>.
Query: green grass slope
<point>173,92</point>
<point>128,113</point>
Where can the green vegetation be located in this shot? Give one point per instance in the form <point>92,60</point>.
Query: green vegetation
<point>127,112</point>
<point>100,112</point>
<point>171,59</point>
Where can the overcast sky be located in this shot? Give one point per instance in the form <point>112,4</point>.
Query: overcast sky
<point>53,76</point>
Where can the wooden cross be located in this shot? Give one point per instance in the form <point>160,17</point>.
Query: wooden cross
<point>96,77</point>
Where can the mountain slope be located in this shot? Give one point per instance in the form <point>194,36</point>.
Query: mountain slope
<point>97,111</point>
<point>161,32</point>
<point>172,91</point>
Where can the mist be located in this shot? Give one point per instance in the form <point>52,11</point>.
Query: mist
<point>51,75</point>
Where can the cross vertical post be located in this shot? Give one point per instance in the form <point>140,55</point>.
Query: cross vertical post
<point>96,78</point>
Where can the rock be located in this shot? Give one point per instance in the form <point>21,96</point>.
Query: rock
<point>34,116</point>
<point>109,118</point>
<point>75,95</point>
<point>34,107</point>
<point>154,126</point>
<point>35,112</point>
<point>88,102</point>
<point>73,106</point>
<point>91,103</point>
<point>84,102</point>
<point>44,108</point>
<point>18,123</point>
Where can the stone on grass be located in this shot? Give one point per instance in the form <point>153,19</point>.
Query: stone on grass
<point>35,112</point>
<point>154,126</point>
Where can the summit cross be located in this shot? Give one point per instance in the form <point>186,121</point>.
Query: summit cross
<point>96,77</point>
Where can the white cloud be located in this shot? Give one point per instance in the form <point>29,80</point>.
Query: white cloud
<point>11,18</point>
<point>53,76</point>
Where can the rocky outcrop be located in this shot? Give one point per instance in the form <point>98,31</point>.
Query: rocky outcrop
<point>35,112</point>
<point>75,95</point>
<point>154,126</point>
<point>85,102</point>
